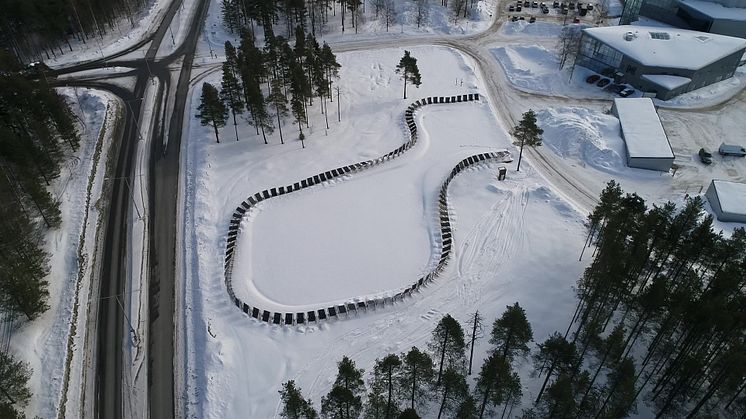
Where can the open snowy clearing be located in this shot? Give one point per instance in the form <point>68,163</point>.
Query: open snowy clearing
<point>353,239</point>
<point>54,343</point>
<point>494,224</point>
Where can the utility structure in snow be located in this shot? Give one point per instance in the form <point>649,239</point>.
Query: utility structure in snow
<point>664,62</point>
<point>728,200</point>
<point>645,139</point>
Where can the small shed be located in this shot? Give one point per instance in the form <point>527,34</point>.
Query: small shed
<point>644,138</point>
<point>728,200</point>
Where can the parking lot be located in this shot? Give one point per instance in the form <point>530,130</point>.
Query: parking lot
<point>567,12</point>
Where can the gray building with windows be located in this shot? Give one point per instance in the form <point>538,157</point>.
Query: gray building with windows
<point>664,62</point>
<point>723,17</point>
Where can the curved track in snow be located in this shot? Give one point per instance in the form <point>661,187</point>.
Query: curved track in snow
<point>355,304</point>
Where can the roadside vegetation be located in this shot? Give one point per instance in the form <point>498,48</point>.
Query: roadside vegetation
<point>37,131</point>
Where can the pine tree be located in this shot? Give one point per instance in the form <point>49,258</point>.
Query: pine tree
<point>476,333</point>
<point>527,133</point>
<point>278,99</point>
<point>212,110</point>
<point>416,377</point>
<point>467,409</point>
<point>495,383</point>
<point>231,91</point>
<point>344,400</point>
<point>409,71</point>
<point>384,387</point>
<point>557,356</point>
<point>408,413</point>
<point>14,376</point>
<point>294,406</point>
<point>453,392</point>
<point>511,333</point>
<point>448,345</point>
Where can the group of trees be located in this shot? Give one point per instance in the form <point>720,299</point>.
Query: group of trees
<point>313,15</point>
<point>421,382</point>
<point>35,30</point>
<point>660,313</point>
<point>271,83</point>
<point>37,130</point>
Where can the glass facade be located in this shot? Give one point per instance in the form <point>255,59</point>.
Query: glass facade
<point>597,56</point>
<point>631,11</point>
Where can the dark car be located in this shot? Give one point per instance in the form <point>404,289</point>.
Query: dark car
<point>521,18</point>
<point>518,8</point>
<point>534,5</point>
<point>603,82</point>
<point>626,92</point>
<point>592,78</point>
<point>555,5</point>
<point>705,156</point>
<point>532,20</point>
<point>590,6</point>
<point>526,4</point>
<point>511,8</point>
<point>564,10</point>
<point>545,10</point>
<point>576,20</point>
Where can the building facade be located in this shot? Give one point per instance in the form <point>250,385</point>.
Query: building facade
<point>614,55</point>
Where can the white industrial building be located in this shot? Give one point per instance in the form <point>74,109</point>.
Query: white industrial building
<point>644,138</point>
<point>728,200</point>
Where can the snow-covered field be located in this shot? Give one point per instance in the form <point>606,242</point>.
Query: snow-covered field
<point>54,344</point>
<point>375,230</point>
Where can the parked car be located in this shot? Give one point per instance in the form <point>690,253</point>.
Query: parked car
<point>545,10</point>
<point>521,18</point>
<point>731,150</point>
<point>626,92</point>
<point>616,88</point>
<point>592,78</point>
<point>603,82</point>
<point>526,4</point>
<point>514,19</point>
<point>576,20</point>
<point>532,20</point>
<point>705,156</point>
<point>590,6</point>
<point>564,10</point>
<point>518,8</point>
<point>555,5</point>
<point>511,8</point>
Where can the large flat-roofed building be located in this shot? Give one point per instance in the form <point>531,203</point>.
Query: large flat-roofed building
<point>644,138</point>
<point>728,200</point>
<point>708,16</point>
<point>665,62</point>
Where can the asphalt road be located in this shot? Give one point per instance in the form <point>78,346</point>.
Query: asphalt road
<point>111,329</point>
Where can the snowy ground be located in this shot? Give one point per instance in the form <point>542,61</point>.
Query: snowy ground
<point>495,222</point>
<point>54,344</point>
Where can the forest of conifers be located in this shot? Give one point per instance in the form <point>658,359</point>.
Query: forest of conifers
<point>40,29</point>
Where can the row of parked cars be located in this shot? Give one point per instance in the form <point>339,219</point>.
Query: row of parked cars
<point>620,89</point>
<point>532,4</point>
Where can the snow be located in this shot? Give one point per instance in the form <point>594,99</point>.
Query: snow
<point>732,196</point>
<point>684,49</point>
<point>715,10</point>
<point>643,133</point>
<point>667,81</point>
<point>584,136</point>
<point>538,28</point>
<point>55,344</point>
<point>234,365</point>
<point>366,242</point>
<point>534,68</point>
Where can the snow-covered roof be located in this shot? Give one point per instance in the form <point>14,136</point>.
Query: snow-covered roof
<point>732,196</point>
<point>715,10</point>
<point>667,47</point>
<point>642,129</point>
<point>666,81</point>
